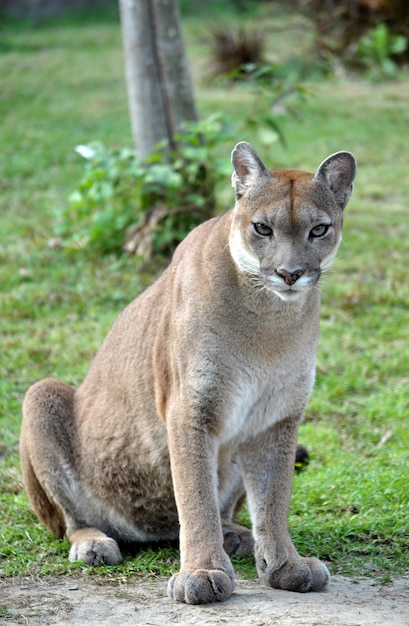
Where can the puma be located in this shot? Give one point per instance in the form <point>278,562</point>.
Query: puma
<point>195,397</point>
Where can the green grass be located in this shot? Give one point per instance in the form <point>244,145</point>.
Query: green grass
<point>63,85</point>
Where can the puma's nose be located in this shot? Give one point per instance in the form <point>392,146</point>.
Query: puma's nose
<point>289,277</point>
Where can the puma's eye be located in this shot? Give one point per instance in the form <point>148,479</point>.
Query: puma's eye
<point>320,230</point>
<point>262,229</point>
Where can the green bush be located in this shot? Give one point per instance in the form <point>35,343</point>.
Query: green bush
<point>376,51</point>
<point>142,206</point>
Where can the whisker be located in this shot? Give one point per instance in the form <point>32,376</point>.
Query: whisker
<point>259,287</point>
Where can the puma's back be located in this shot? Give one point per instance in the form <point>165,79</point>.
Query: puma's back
<point>197,392</point>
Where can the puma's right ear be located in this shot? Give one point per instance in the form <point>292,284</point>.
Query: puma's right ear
<point>338,173</point>
<point>248,167</point>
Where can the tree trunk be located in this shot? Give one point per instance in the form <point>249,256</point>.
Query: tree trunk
<point>159,88</point>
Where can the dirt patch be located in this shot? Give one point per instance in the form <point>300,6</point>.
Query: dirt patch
<point>74,601</point>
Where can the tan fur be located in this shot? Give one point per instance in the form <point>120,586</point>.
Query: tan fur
<point>197,392</point>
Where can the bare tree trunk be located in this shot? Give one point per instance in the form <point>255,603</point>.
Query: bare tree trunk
<point>160,92</point>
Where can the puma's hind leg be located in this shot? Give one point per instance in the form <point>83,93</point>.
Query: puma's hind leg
<point>46,510</point>
<point>45,448</point>
<point>47,452</point>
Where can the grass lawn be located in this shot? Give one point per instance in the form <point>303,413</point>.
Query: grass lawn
<point>62,85</point>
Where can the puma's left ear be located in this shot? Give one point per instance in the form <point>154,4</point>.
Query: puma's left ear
<point>248,168</point>
<point>338,173</point>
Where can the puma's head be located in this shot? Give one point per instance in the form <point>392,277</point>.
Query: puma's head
<point>287,224</point>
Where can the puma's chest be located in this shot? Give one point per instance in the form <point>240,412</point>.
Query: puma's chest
<point>258,400</point>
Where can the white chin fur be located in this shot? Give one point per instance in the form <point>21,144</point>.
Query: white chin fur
<point>288,296</point>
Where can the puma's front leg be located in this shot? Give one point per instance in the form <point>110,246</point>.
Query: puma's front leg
<point>206,574</point>
<point>268,467</point>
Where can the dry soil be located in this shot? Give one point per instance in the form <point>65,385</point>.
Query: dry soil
<point>75,601</point>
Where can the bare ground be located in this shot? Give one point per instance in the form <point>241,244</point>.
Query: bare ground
<point>76,601</point>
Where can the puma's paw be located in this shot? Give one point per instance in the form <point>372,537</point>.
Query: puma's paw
<point>297,575</point>
<point>96,552</point>
<point>237,539</point>
<point>201,586</point>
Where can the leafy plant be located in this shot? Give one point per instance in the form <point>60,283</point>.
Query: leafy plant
<point>275,93</point>
<point>375,50</point>
<point>340,24</point>
<point>147,205</point>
